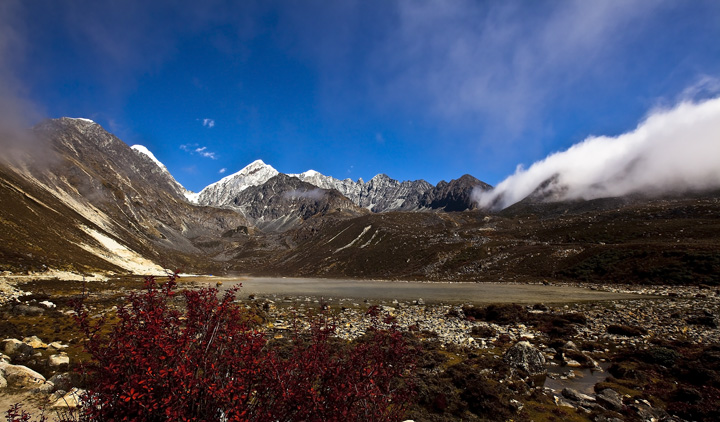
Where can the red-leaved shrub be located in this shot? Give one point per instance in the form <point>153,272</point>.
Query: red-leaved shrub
<point>197,356</point>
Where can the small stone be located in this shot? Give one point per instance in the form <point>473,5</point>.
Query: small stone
<point>610,399</point>
<point>516,405</point>
<point>46,388</point>
<point>60,359</point>
<point>573,363</point>
<point>62,381</point>
<point>559,401</point>
<point>524,356</point>
<point>58,346</point>
<point>570,346</point>
<point>35,342</point>
<point>70,400</point>
<point>575,395</point>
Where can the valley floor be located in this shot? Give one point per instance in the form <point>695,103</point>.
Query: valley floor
<point>655,348</point>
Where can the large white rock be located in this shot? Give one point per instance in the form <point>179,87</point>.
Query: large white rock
<point>70,400</point>
<point>35,342</point>
<point>14,347</point>
<point>59,359</point>
<point>524,356</point>
<point>21,376</point>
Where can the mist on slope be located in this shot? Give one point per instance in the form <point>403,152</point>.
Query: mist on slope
<point>312,194</point>
<point>17,113</point>
<point>672,150</point>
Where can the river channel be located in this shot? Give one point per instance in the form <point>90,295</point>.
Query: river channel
<point>430,292</point>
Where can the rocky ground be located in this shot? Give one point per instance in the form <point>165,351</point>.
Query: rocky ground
<point>645,359</point>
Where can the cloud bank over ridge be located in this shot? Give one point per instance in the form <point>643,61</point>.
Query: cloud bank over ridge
<point>672,150</point>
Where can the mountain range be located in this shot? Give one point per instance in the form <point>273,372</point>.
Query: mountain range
<point>79,199</point>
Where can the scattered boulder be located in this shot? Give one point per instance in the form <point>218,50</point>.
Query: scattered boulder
<point>35,342</point>
<point>610,399</point>
<point>47,388</point>
<point>21,376</point>
<point>14,348</point>
<point>58,346</point>
<point>570,346</point>
<point>62,381</point>
<point>59,359</point>
<point>646,412</point>
<point>70,400</point>
<point>526,357</point>
<point>575,395</point>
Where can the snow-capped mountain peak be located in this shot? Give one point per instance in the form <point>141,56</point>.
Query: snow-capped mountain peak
<point>145,153</point>
<point>143,150</point>
<point>381,193</point>
<point>255,173</point>
<point>225,190</point>
<point>318,179</point>
<point>77,120</point>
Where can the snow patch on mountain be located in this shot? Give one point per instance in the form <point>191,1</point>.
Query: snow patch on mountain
<point>224,191</point>
<point>191,196</point>
<point>80,119</point>
<point>143,150</point>
<point>381,193</point>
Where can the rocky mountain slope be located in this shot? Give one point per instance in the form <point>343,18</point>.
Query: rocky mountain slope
<point>626,241</point>
<point>379,194</point>
<point>94,191</point>
<point>82,200</point>
<point>283,201</point>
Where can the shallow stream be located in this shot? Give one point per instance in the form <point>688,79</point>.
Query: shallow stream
<point>430,292</point>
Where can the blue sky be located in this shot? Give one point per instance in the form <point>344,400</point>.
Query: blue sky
<point>413,89</point>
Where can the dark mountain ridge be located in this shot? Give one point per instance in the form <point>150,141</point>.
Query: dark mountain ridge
<point>94,204</point>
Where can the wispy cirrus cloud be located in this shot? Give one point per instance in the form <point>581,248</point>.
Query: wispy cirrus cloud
<point>199,150</point>
<point>488,64</point>
<point>208,123</point>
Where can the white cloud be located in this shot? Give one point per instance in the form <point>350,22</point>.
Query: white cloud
<point>499,60</point>
<point>313,194</point>
<point>672,150</point>
<point>197,149</point>
<point>222,170</point>
<point>705,86</point>
<point>208,123</point>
